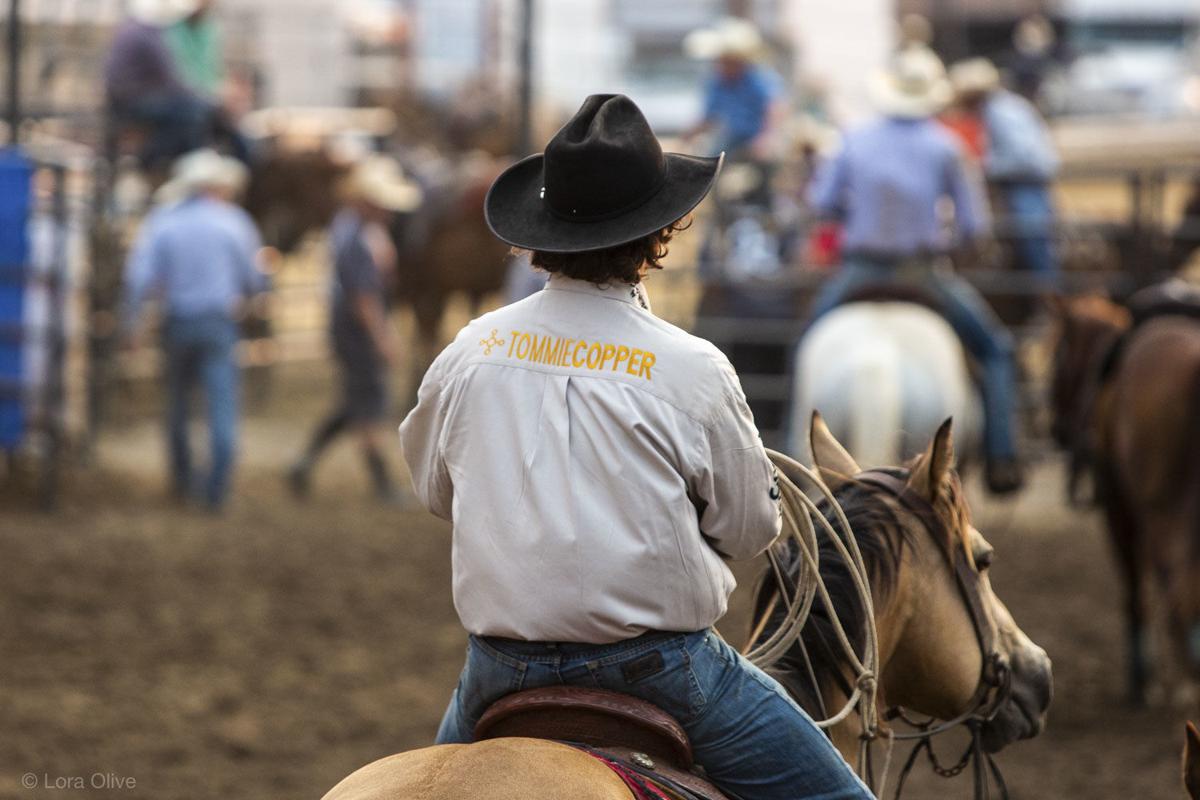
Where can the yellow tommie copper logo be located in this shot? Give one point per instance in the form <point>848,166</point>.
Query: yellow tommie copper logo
<point>580,353</point>
<point>490,342</point>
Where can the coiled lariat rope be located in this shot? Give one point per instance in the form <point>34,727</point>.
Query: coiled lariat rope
<point>799,511</point>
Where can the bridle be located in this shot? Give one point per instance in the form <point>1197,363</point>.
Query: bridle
<point>995,682</point>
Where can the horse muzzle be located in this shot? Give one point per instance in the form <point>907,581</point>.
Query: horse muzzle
<point>1022,713</point>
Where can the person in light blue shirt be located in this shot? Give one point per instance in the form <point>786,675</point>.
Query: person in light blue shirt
<point>196,255</point>
<point>888,186</point>
<point>1020,162</point>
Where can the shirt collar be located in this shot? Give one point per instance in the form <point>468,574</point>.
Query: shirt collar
<point>634,295</point>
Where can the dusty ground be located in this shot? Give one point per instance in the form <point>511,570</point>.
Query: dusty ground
<point>267,653</point>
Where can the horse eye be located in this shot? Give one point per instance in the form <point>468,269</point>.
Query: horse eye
<point>983,560</point>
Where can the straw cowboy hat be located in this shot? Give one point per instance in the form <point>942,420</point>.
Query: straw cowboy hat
<point>974,76</point>
<point>380,181</point>
<point>913,86</point>
<point>730,36</point>
<point>161,13</point>
<point>603,181</point>
<point>199,170</point>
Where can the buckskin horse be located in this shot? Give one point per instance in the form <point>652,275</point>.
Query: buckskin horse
<point>949,648</point>
<point>1127,406</point>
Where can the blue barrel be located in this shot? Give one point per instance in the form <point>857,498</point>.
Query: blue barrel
<point>16,192</point>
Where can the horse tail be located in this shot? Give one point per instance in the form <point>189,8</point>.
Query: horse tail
<point>876,404</point>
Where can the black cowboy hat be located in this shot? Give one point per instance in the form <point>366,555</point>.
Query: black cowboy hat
<point>603,181</point>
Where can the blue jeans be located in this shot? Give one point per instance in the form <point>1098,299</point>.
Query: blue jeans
<point>202,350</point>
<point>178,123</point>
<point>748,734</point>
<point>1031,215</point>
<point>981,332</point>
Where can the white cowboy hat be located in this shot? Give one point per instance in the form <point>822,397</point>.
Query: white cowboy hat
<point>202,169</point>
<point>914,86</point>
<point>730,36</point>
<point>161,13</point>
<point>974,76</point>
<point>380,181</point>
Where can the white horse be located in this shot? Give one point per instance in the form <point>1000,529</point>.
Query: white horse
<point>884,375</point>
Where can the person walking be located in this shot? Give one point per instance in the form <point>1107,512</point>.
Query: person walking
<point>197,255</point>
<point>1019,160</point>
<point>600,465</point>
<point>887,186</point>
<point>364,261</point>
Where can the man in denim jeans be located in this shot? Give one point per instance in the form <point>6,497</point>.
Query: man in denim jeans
<point>197,254</point>
<point>600,466</point>
<point>889,186</point>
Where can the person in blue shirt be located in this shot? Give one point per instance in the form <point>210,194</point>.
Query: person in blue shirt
<point>363,343</point>
<point>1020,162</point>
<point>743,100</point>
<point>744,107</point>
<point>887,186</point>
<point>197,256</point>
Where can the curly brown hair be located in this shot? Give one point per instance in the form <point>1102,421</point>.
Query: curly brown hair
<point>620,264</point>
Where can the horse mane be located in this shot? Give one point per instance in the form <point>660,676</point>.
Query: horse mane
<point>881,538</point>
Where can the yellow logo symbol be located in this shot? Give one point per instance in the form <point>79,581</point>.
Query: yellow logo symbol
<point>490,342</point>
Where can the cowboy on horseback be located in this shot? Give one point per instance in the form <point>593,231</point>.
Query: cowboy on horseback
<point>887,186</point>
<point>600,466</point>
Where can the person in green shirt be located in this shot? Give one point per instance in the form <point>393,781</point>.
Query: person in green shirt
<point>195,42</point>
<point>195,45</point>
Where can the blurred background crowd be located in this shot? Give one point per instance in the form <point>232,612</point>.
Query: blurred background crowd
<point>251,224</point>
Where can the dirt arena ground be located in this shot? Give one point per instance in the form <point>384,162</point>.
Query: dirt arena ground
<point>268,652</point>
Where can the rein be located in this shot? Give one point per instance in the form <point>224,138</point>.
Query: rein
<point>995,681</point>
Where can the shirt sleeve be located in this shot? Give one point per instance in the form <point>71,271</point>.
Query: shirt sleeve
<point>356,269</point>
<point>827,192</point>
<point>712,100</point>
<point>254,281</point>
<point>734,484</point>
<point>141,273</point>
<point>971,212</point>
<point>422,437</point>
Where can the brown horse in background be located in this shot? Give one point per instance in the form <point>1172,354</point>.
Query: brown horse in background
<point>1133,416</point>
<point>444,247</point>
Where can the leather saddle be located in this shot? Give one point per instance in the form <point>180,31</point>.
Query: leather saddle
<point>1171,298</point>
<point>639,736</point>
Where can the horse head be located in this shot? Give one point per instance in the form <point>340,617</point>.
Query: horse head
<point>291,194</point>
<point>949,648</point>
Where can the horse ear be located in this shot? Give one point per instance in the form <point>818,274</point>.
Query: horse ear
<point>932,468</point>
<point>833,463</point>
<point>1191,761</point>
